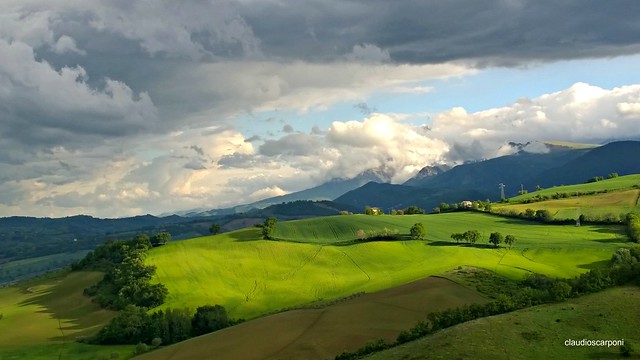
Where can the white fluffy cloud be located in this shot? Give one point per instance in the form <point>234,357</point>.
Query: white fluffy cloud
<point>581,113</point>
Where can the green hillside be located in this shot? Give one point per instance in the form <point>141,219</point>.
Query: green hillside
<point>251,277</point>
<point>606,200</point>
<point>536,333</point>
<point>618,183</point>
<point>41,319</point>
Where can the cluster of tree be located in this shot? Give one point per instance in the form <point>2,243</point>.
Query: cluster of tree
<point>497,238</point>
<point>378,235</point>
<point>469,236</point>
<point>411,210</point>
<point>600,178</point>
<point>477,205</point>
<point>623,268</point>
<point>127,280</point>
<point>541,215</point>
<point>633,226</point>
<point>368,210</point>
<point>134,325</point>
<point>268,227</point>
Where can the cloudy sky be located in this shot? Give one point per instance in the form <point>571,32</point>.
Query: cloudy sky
<point>116,108</point>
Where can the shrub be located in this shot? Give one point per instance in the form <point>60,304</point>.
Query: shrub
<point>141,348</point>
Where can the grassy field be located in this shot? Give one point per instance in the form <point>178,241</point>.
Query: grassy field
<point>615,204</point>
<point>251,277</point>
<point>536,333</point>
<point>324,332</point>
<point>43,317</point>
<point>618,183</point>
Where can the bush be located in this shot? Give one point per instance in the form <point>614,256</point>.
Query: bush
<point>141,348</point>
<point>417,231</point>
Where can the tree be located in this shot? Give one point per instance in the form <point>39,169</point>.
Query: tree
<point>215,228</point>
<point>509,240</point>
<point>418,231</point>
<point>496,238</point>
<point>208,319</point>
<point>529,213</point>
<point>612,175</point>
<point>361,234</point>
<point>544,216</point>
<point>160,238</point>
<point>538,188</point>
<point>412,210</point>
<point>471,236</point>
<point>268,227</point>
<point>457,237</point>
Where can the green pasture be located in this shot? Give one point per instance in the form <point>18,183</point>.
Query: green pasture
<point>251,277</point>
<point>615,204</point>
<point>618,183</point>
<point>536,333</point>
<point>44,317</point>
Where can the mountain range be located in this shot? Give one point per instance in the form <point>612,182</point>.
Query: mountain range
<point>22,237</point>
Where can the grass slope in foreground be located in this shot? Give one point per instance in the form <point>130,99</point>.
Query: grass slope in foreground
<point>42,318</point>
<point>536,333</point>
<point>324,332</point>
<point>251,277</point>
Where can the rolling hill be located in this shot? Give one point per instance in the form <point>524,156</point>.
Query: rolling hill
<point>250,276</point>
<point>606,200</point>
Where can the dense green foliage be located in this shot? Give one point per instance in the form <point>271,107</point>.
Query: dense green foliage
<point>633,226</point>
<point>128,279</point>
<point>418,231</point>
<point>134,325</point>
<point>268,227</point>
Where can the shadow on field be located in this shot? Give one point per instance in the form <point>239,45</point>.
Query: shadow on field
<point>248,234</point>
<point>602,264</point>
<point>448,243</point>
<point>64,301</point>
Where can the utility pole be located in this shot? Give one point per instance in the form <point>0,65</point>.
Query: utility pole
<point>502,186</point>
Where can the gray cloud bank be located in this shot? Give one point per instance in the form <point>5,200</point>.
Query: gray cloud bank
<point>111,105</point>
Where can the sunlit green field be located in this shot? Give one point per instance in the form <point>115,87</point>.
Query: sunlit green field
<point>251,277</point>
<point>609,205</point>
<point>618,183</point>
<point>41,319</point>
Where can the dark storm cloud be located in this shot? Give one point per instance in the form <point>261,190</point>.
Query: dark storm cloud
<point>506,32</point>
<point>292,144</point>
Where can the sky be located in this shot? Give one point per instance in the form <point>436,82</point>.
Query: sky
<point>118,108</point>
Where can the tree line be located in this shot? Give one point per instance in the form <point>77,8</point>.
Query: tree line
<point>622,269</point>
<point>134,325</point>
<point>472,236</point>
<point>127,279</point>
